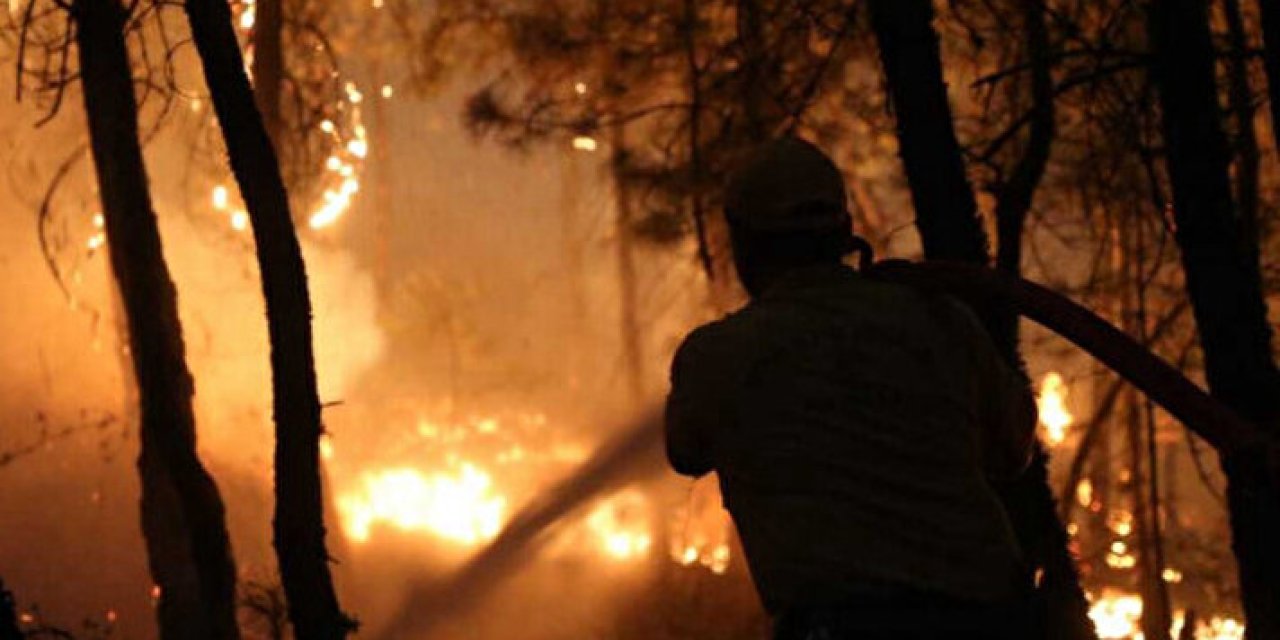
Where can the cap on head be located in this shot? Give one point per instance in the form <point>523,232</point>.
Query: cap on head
<point>789,186</point>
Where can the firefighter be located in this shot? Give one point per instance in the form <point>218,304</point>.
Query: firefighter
<point>856,427</point>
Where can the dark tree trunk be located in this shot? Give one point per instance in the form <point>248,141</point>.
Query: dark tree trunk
<point>1248,156</point>
<point>268,63</point>
<point>946,213</point>
<point>183,521</point>
<point>691,21</point>
<point>1015,195</point>
<point>628,314</point>
<point>1224,285</point>
<point>947,218</point>
<point>299,518</point>
<point>8,616</point>
<point>1270,11</point>
<point>750,27</point>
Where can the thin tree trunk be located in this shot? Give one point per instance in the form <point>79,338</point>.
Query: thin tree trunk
<point>268,63</point>
<point>695,140</point>
<point>947,218</point>
<point>1224,285</point>
<point>183,519</point>
<point>629,326</point>
<point>1156,614</point>
<point>1270,11</point>
<point>1014,197</point>
<point>8,616</point>
<point>1247,152</point>
<point>299,519</point>
<point>750,29</point>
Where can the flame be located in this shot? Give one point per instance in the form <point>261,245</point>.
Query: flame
<point>701,530</point>
<point>248,16</point>
<point>584,143</point>
<point>1117,615</point>
<point>621,526</point>
<point>1054,415</point>
<point>459,505</point>
<point>220,197</point>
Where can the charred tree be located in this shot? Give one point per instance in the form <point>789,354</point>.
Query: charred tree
<point>183,520</point>
<point>947,218</point>
<point>1224,284</point>
<point>299,533</point>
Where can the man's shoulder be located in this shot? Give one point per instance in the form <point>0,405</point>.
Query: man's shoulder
<point>731,336</point>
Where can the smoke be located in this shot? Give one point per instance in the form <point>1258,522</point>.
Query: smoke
<point>497,297</point>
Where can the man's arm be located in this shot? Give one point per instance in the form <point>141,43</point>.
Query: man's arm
<point>1010,421</point>
<point>1006,408</point>
<point>697,406</point>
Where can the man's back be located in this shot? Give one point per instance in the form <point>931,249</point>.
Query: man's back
<point>851,425</point>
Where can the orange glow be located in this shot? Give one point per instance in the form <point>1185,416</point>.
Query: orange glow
<point>1054,416</point>
<point>621,525</point>
<point>1117,615</point>
<point>458,505</point>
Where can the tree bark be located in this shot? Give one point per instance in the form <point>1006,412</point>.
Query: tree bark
<point>299,534</point>
<point>750,28</point>
<point>1248,156</point>
<point>1270,12</point>
<point>183,520</point>
<point>1015,195</point>
<point>629,323</point>
<point>947,218</point>
<point>1224,284</point>
<point>268,63</point>
<point>8,616</point>
<point>946,213</point>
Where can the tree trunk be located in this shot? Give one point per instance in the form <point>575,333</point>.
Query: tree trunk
<point>183,520</point>
<point>8,616</point>
<point>1246,142</point>
<point>750,30</point>
<point>268,63</point>
<point>946,213</point>
<point>1224,285</point>
<point>691,21</point>
<point>1270,11</point>
<point>1015,195</point>
<point>299,518</point>
<point>629,326</point>
<point>947,218</point>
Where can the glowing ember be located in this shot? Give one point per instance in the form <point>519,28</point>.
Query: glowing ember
<point>621,525</point>
<point>240,220</point>
<point>1118,616</point>
<point>701,530</point>
<point>1084,492</point>
<point>247,18</point>
<point>1054,415</point>
<point>458,506</point>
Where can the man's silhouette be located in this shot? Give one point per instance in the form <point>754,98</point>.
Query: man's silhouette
<point>854,425</point>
